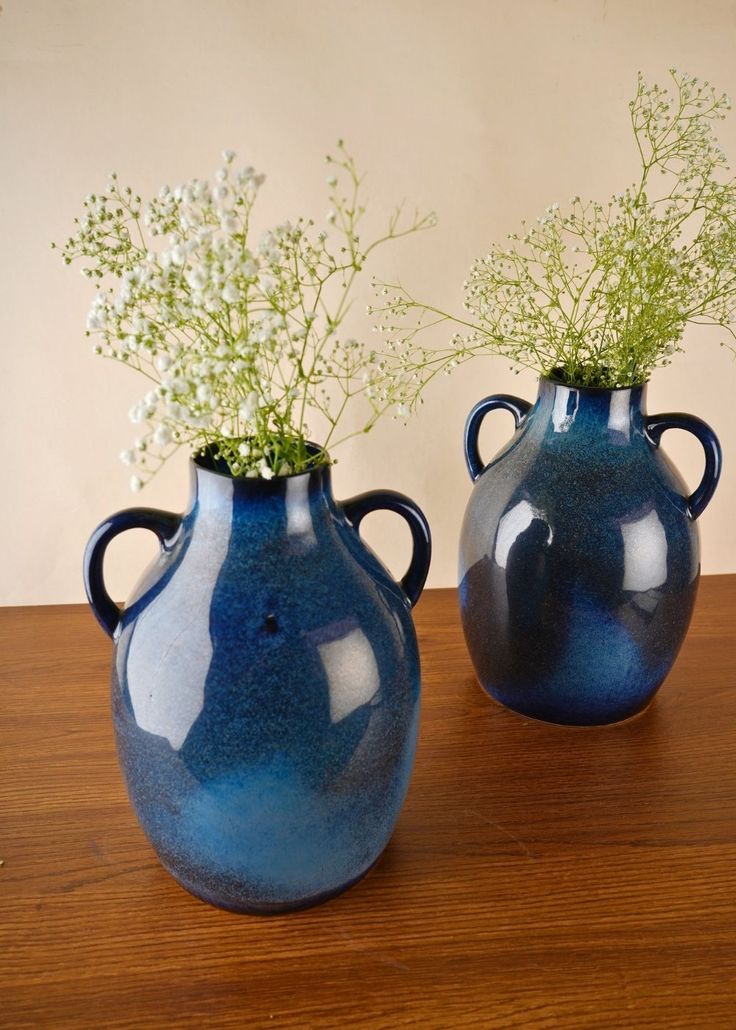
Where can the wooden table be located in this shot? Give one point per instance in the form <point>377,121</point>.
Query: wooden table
<point>540,877</point>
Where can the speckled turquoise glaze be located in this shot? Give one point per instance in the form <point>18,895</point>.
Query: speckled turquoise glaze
<point>265,686</point>
<point>579,554</point>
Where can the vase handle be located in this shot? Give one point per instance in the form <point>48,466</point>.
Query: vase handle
<point>358,507</point>
<point>518,408</point>
<point>655,425</point>
<point>163,523</point>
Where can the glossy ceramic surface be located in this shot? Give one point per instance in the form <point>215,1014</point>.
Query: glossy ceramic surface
<point>265,687</point>
<point>579,554</point>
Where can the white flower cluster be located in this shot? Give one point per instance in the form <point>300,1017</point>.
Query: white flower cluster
<point>599,293</point>
<point>238,341</point>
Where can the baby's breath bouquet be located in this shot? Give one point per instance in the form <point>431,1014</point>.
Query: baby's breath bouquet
<point>240,342</point>
<point>595,294</point>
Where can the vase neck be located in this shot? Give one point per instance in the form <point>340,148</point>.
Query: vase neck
<point>283,497</point>
<point>619,413</point>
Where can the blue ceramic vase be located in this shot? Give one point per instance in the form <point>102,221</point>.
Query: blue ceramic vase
<point>265,686</point>
<point>579,554</point>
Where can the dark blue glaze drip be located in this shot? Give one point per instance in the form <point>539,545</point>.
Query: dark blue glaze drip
<point>579,554</point>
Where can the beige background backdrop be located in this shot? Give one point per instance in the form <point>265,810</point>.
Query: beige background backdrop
<point>485,111</point>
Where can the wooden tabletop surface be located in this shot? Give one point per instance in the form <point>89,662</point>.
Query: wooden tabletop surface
<point>540,877</point>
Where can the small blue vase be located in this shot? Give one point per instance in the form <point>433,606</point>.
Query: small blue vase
<point>579,554</point>
<point>265,686</point>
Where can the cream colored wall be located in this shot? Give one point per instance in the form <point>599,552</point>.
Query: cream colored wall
<point>486,112</point>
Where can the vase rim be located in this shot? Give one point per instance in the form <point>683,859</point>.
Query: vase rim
<point>204,463</point>
<point>554,380</point>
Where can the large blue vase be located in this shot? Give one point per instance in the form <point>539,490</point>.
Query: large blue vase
<point>579,554</point>
<point>265,686</point>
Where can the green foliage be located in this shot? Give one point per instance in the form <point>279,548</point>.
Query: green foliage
<point>598,294</point>
<point>240,341</point>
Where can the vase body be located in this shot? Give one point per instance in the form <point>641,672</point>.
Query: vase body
<point>265,692</point>
<point>579,554</point>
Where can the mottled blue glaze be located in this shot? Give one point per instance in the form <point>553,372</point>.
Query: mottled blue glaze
<point>265,686</point>
<point>579,553</point>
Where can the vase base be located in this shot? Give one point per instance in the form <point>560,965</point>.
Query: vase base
<point>602,724</point>
<point>270,908</point>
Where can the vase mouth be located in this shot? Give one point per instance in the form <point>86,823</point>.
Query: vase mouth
<point>204,461</point>
<point>555,378</point>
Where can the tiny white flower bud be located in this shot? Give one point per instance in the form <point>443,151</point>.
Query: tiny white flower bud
<point>197,278</point>
<point>249,406</point>
<point>162,435</point>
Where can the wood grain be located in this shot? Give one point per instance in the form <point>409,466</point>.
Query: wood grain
<point>539,878</point>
